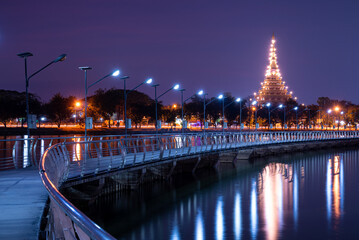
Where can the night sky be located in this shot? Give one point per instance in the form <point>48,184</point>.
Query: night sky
<point>218,46</point>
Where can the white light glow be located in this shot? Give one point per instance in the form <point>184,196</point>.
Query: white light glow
<point>200,92</point>
<point>238,99</point>
<point>116,73</point>
<point>175,87</point>
<point>149,81</point>
<point>219,220</point>
<point>220,96</point>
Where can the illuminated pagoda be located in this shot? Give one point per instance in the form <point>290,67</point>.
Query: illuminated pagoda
<point>273,89</point>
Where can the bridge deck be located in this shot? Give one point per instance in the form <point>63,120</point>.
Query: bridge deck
<point>22,200</point>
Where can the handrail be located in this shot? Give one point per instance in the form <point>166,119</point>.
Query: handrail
<point>79,218</point>
<point>98,156</point>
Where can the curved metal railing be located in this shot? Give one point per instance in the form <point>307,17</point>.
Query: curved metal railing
<point>66,161</point>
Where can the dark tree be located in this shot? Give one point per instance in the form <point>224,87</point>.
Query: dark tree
<point>58,109</point>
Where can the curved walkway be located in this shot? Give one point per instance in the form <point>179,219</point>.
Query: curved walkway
<point>22,200</point>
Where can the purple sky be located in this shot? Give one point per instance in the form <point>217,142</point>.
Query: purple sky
<point>218,46</point>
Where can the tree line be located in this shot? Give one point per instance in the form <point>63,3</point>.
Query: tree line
<point>108,105</point>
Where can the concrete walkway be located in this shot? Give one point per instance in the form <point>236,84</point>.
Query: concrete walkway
<point>22,200</point>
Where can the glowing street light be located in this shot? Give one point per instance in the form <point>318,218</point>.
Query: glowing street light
<point>200,92</point>
<point>296,116</point>
<point>25,55</point>
<point>85,69</point>
<point>221,97</point>
<point>125,93</point>
<point>269,123</point>
<point>174,87</point>
<point>283,106</point>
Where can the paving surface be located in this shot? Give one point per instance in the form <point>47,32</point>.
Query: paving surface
<point>22,200</point>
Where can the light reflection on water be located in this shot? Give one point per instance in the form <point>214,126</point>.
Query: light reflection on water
<point>290,198</point>
<point>219,219</point>
<point>237,216</point>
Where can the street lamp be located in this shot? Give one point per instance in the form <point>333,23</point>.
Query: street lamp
<point>221,97</point>
<point>254,108</point>
<point>269,124</point>
<point>341,113</point>
<point>235,100</point>
<point>337,109</point>
<point>283,106</point>
<point>147,81</point>
<point>296,116</point>
<point>184,101</point>
<point>200,93</point>
<point>175,87</point>
<point>240,113</point>
<point>328,111</point>
<point>25,55</point>
<point>85,69</point>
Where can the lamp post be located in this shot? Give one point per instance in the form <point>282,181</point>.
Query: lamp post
<point>296,116</point>
<point>235,100</point>
<point>341,113</point>
<point>25,55</point>
<point>328,112</point>
<point>254,108</point>
<point>282,106</point>
<point>175,87</point>
<point>337,109</point>
<point>201,92</point>
<point>85,69</point>
<point>221,97</point>
<point>205,104</point>
<point>147,81</point>
<point>268,106</point>
<point>240,114</point>
<point>184,101</point>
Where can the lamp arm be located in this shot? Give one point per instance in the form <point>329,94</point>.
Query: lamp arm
<point>211,101</point>
<point>39,70</point>
<point>99,80</point>
<point>189,98</point>
<point>164,93</point>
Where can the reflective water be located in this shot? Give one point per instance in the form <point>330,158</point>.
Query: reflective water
<point>302,196</point>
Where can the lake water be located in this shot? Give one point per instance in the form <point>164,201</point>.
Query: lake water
<point>300,196</point>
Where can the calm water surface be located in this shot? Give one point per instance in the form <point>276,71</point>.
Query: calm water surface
<point>302,196</point>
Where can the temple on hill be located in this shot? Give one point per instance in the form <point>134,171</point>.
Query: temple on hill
<point>273,90</point>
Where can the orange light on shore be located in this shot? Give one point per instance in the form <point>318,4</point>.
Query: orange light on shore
<point>336,109</point>
<point>77,104</point>
<point>174,106</point>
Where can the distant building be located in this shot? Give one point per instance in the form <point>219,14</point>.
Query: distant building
<point>273,89</point>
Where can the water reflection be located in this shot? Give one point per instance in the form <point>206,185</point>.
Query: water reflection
<point>272,198</point>
<point>237,216</point>
<point>175,233</point>
<point>253,214</point>
<point>199,226</point>
<point>335,189</point>
<point>295,199</point>
<point>219,219</point>
<point>273,202</point>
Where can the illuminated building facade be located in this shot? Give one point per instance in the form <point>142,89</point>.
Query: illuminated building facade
<point>273,89</point>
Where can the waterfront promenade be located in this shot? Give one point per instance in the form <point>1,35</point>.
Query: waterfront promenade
<point>22,200</point>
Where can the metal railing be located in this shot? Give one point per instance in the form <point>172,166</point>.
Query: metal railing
<point>22,152</point>
<point>66,161</point>
<point>15,153</point>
